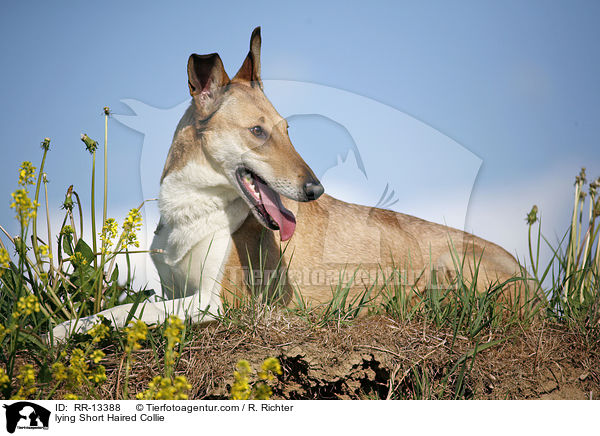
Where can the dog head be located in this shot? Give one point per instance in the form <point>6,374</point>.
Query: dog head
<point>244,138</point>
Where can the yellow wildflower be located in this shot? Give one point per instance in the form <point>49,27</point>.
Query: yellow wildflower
<point>59,372</point>
<point>97,356</point>
<point>136,332</point>
<point>4,258</point>
<point>71,397</point>
<point>26,378</point>
<point>109,232</point>
<point>67,230</point>
<point>26,209</point>
<point>44,251</point>
<point>79,368</point>
<point>269,368</point>
<point>98,375</point>
<point>26,306</point>
<point>163,388</point>
<point>98,332</point>
<point>26,174</point>
<point>262,391</point>
<point>78,259</point>
<point>133,223</point>
<point>241,386</point>
<point>3,332</point>
<point>4,380</point>
<point>173,335</point>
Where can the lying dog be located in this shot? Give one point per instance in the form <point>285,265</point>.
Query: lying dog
<point>230,162</point>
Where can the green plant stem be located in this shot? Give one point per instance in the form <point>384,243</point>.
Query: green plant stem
<point>533,266</point>
<point>105,169</point>
<point>37,195</point>
<point>571,246</point>
<point>80,216</point>
<point>127,370</point>
<point>102,255</point>
<point>18,291</point>
<point>50,291</point>
<point>50,259</point>
<point>93,212</point>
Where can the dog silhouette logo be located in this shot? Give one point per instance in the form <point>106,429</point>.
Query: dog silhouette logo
<point>26,415</point>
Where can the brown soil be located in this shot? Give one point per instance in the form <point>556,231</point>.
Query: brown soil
<point>378,358</point>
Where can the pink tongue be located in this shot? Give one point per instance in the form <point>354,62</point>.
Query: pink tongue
<point>272,203</point>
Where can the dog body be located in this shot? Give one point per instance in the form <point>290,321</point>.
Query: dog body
<point>230,162</point>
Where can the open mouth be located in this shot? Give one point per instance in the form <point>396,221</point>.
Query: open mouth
<point>266,204</point>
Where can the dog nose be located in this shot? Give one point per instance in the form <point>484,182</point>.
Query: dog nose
<point>313,190</point>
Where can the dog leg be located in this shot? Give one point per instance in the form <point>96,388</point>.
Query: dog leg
<point>150,312</point>
<point>198,274</point>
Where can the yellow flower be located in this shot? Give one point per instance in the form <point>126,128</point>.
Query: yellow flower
<point>26,378</point>
<point>3,332</point>
<point>109,232</point>
<point>26,209</point>
<point>77,259</point>
<point>71,397</point>
<point>26,306</point>
<point>243,390</point>
<point>173,335</point>
<point>132,223</point>
<point>181,384</point>
<point>98,332</point>
<point>174,328</point>
<point>44,251</point>
<point>4,258</point>
<point>26,174</point>
<point>67,230</point>
<point>269,368</point>
<point>97,356</point>
<point>4,380</point>
<point>136,332</point>
<point>59,372</point>
<point>241,385</point>
<point>262,391</point>
<point>163,388</point>
<point>99,375</point>
<point>78,368</point>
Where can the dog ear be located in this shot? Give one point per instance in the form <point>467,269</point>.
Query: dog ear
<point>206,79</point>
<point>250,69</point>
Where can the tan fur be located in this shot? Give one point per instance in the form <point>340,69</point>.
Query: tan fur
<point>327,246</point>
<point>331,236</point>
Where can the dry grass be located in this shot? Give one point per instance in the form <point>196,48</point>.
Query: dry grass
<point>377,358</point>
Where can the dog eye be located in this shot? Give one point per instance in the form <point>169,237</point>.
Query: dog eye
<point>258,131</point>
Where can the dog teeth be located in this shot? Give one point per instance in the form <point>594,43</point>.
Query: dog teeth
<point>249,181</point>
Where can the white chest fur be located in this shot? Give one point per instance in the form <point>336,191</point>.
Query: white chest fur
<point>199,212</point>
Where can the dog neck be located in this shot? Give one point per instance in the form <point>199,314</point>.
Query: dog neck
<point>195,199</point>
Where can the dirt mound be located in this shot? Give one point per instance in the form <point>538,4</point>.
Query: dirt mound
<point>378,358</point>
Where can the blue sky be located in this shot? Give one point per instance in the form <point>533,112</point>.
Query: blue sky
<point>510,88</point>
